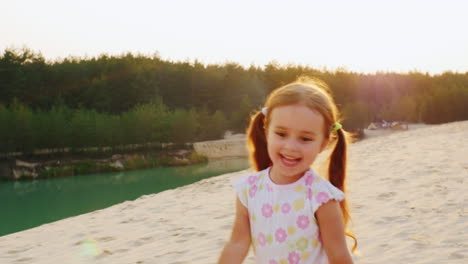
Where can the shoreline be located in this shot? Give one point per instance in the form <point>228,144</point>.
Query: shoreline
<point>67,165</point>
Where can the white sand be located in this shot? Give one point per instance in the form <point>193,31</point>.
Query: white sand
<point>407,193</point>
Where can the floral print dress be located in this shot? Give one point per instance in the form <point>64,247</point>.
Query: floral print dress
<point>282,222</point>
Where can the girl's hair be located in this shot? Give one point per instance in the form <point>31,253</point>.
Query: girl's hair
<point>314,94</point>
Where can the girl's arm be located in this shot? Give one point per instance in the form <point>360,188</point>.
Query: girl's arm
<point>332,231</point>
<point>238,245</point>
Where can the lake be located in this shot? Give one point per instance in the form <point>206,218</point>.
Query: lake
<point>27,204</point>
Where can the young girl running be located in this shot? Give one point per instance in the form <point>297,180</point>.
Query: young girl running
<point>285,210</point>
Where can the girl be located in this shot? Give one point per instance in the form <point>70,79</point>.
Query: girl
<point>285,210</point>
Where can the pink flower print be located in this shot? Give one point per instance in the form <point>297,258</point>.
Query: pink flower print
<point>280,235</point>
<point>285,208</point>
<point>261,239</point>
<point>252,191</point>
<point>294,258</point>
<point>303,221</point>
<point>322,197</point>
<point>252,179</point>
<point>273,262</point>
<point>309,179</point>
<point>309,193</point>
<point>267,210</point>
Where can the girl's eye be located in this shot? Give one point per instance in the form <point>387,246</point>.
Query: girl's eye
<point>281,134</point>
<point>306,139</point>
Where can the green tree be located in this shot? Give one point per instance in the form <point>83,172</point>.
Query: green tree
<point>7,133</point>
<point>216,126</point>
<point>204,122</point>
<point>23,130</point>
<point>355,116</point>
<point>240,117</point>
<point>83,129</point>
<point>184,126</point>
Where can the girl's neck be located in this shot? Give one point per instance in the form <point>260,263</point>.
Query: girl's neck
<point>276,178</point>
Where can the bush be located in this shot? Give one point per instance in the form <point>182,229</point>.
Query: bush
<point>196,158</point>
<point>85,167</point>
<point>55,171</point>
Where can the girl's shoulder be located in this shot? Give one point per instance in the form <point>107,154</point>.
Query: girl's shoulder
<point>250,179</point>
<point>248,185</point>
<point>320,190</point>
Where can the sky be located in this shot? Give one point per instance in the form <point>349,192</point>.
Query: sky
<point>356,35</point>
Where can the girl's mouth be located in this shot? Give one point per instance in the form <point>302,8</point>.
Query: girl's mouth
<point>289,162</point>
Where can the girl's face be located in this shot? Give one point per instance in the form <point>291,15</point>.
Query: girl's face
<point>294,139</point>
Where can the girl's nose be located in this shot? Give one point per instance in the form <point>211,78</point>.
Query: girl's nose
<point>291,144</point>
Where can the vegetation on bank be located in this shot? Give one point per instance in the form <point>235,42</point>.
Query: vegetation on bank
<point>70,130</point>
<point>115,101</point>
<point>79,166</point>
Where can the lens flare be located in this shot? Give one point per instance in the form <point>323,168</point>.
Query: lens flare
<point>90,248</point>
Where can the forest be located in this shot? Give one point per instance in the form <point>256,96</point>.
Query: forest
<point>113,101</point>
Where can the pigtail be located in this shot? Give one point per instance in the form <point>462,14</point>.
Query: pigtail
<point>337,175</point>
<point>337,167</point>
<point>257,144</point>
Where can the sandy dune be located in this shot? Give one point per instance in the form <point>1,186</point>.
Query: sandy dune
<point>407,193</point>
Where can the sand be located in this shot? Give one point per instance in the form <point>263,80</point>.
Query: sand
<point>407,193</point>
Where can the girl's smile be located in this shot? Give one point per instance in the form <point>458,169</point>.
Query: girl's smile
<point>295,136</point>
<point>289,162</point>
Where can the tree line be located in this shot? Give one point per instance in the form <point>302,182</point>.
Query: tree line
<point>134,98</point>
<point>62,128</point>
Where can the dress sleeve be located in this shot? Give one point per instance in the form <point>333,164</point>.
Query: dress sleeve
<point>241,186</point>
<point>322,192</point>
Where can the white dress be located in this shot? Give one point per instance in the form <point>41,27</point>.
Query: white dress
<point>282,217</point>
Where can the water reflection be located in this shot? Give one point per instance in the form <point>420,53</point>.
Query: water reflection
<point>28,204</point>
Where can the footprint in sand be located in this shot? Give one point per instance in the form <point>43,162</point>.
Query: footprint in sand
<point>226,227</point>
<point>142,241</point>
<point>130,220</point>
<point>391,218</point>
<point>420,245</point>
<point>121,250</point>
<point>15,251</point>
<point>387,195</point>
<point>105,239</point>
<point>460,254</point>
<point>28,260</point>
<point>222,216</point>
<point>398,181</point>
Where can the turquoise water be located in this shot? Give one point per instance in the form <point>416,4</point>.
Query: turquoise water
<point>28,204</point>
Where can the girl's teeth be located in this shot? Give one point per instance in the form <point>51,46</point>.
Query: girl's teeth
<point>289,162</point>
<point>292,159</point>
